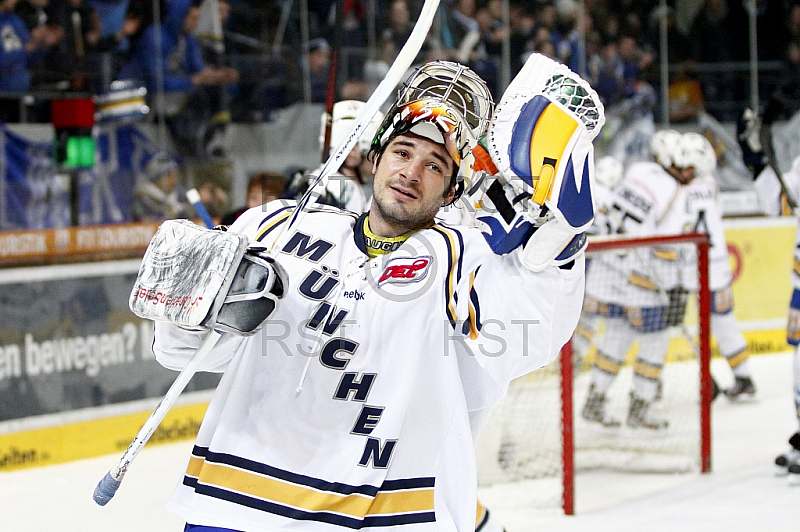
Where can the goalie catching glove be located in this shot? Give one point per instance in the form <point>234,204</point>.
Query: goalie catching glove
<point>200,279</point>
<point>540,142</point>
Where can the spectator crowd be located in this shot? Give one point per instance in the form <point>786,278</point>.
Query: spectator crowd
<point>262,60</point>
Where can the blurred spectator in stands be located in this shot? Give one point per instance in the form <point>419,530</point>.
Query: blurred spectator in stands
<point>570,45</point>
<point>637,59</point>
<point>784,101</point>
<point>18,50</point>
<point>77,58</point>
<point>793,23</point>
<point>771,16</point>
<point>521,26</point>
<point>38,19</point>
<point>316,63</point>
<point>679,48</point>
<point>460,31</point>
<point>488,53</point>
<point>188,103</point>
<point>399,27</point>
<point>158,195</point>
<point>215,199</point>
<point>609,82</point>
<point>685,95</point>
<point>261,188</point>
<point>715,40</point>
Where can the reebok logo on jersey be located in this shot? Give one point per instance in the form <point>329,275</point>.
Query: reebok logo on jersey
<point>353,294</point>
<point>405,270</point>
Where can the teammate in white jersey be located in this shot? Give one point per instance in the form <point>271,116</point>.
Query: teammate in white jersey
<point>350,407</point>
<point>608,172</point>
<point>699,157</point>
<point>347,188</point>
<point>640,293</point>
<point>774,195</point>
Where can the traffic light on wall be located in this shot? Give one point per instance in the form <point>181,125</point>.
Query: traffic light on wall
<point>73,119</point>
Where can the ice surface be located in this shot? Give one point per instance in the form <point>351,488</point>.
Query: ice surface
<point>741,494</point>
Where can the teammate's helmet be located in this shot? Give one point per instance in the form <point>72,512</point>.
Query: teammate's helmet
<point>698,152</point>
<point>608,171</point>
<point>343,116</point>
<point>664,146</point>
<point>442,101</point>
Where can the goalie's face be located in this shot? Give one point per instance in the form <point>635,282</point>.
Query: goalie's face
<point>412,181</point>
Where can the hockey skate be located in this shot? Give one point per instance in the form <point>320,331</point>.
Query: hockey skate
<point>638,416</point>
<point>595,409</point>
<point>742,386</point>
<point>788,463</point>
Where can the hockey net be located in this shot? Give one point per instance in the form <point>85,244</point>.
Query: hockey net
<point>538,434</point>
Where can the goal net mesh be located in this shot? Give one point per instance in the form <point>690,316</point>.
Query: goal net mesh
<point>638,339</point>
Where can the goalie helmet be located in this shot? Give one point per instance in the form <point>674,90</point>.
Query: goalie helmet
<point>608,171</point>
<point>445,102</point>
<point>665,146</point>
<point>696,151</point>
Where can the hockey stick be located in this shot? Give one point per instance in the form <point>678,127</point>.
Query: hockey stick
<point>109,484</point>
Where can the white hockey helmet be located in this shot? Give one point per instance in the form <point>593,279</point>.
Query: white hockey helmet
<point>665,146</point>
<point>445,102</point>
<point>698,152</point>
<point>608,171</point>
<point>343,118</point>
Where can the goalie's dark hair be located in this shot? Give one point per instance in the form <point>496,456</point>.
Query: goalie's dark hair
<point>376,150</point>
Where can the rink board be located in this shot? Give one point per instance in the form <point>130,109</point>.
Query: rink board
<point>77,373</point>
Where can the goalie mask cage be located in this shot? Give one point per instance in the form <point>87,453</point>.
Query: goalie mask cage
<point>537,439</point>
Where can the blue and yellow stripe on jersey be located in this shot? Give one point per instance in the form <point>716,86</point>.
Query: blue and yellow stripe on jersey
<point>280,216</point>
<point>304,498</point>
<point>272,221</point>
<point>454,244</point>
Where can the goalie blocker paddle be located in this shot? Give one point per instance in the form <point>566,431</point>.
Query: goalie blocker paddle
<point>110,483</point>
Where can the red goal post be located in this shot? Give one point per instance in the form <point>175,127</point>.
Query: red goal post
<point>536,439</point>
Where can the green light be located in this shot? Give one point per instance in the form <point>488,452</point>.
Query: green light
<point>79,152</point>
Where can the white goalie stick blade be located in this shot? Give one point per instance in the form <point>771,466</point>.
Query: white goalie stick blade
<point>185,274</point>
<point>541,139</point>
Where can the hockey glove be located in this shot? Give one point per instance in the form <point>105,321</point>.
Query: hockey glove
<point>793,325</point>
<point>540,139</point>
<point>258,285</point>
<point>185,273</point>
<point>748,134</point>
<point>510,220</point>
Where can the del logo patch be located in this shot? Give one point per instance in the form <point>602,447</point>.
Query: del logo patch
<point>405,270</point>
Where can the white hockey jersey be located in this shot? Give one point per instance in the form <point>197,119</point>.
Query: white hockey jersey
<point>350,408</point>
<point>647,202</point>
<point>348,194</point>
<point>770,197</point>
<point>703,197</point>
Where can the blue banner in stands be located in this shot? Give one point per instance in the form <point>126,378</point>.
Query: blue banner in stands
<point>35,194</point>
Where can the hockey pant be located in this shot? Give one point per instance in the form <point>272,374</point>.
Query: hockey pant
<point>612,348</point>
<point>731,342</point>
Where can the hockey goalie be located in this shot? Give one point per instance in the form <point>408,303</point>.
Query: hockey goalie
<point>359,350</point>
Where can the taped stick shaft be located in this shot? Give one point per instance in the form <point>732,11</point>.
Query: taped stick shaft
<point>108,486</point>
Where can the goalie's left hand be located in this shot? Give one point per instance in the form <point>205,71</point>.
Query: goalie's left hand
<point>509,220</point>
